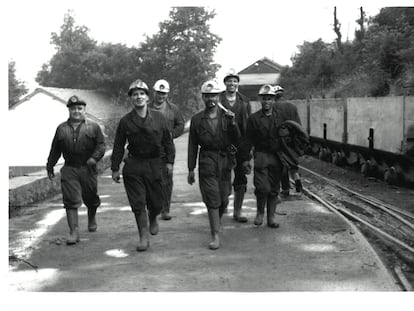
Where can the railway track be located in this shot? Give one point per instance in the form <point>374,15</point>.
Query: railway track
<point>384,224</point>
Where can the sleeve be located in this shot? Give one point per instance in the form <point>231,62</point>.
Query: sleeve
<point>119,147</point>
<point>167,142</point>
<point>100,146</point>
<point>55,152</point>
<point>192,147</point>
<point>178,123</point>
<point>246,142</point>
<point>295,116</point>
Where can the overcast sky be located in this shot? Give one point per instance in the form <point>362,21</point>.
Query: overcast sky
<point>250,29</point>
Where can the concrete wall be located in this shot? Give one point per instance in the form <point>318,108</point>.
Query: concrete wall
<point>301,105</point>
<point>383,114</point>
<point>329,112</point>
<point>27,190</point>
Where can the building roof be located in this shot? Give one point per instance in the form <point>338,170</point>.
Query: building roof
<point>264,65</point>
<point>98,104</point>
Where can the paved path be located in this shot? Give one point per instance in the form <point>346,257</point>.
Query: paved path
<point>313,250</point>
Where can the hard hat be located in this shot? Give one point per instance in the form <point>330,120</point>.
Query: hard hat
<point>231,74</point>
<point>210,87</point>
<point>278,89</point>
<point>267,89</point>
<point>137,84</point>
<point>74,100</point>
<point>162,86</point>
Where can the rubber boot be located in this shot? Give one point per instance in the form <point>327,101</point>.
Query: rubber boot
<point>141,219</point>
<point>92,225</point>
<point>153,224</point>
<point>261,203</point>
<point>165,215</point>
<point>214,219</point>
<point>298,185</point>
<point>271,209</point>
<point>238,202</point>
<point>72,218</point>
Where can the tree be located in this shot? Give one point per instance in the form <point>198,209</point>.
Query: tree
<point>182,52</point>
<point>337,29</point>
<point>16,87</point>
<point>67,67</point>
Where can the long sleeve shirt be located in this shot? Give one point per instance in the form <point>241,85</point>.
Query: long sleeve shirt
<point>174,118</point>
<point>261,133</point>
<point>146,138</point>
<point>76,145</point>
<point>241,108</point>
<point>207,138</point>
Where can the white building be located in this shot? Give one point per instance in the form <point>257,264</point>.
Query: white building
<point>32,122</point>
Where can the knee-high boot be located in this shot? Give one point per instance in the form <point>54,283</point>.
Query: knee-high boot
<point>154,228</point>
<point>214,219</point>
<point>271,209</point>
<point>141,219</point>
<point>238,202</point>
<point>92,225</point>
<point>261,203</point>
<point>72,218</point>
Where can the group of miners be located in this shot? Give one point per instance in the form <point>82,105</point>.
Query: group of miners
<point>225,136</point>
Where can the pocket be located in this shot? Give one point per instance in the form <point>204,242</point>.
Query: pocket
<point>206,166</point>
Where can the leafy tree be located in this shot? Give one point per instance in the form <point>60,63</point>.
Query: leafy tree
<point>16,88</point>
<point>182,52</point>
<point>312,70</point>
<point>67,67</point>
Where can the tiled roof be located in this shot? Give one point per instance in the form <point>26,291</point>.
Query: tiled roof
<point>98,104</point>
<point>264,65</point>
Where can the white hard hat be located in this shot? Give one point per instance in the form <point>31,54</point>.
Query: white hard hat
<point>267,89</point>
<point>278,89</point>
<point>162,86</point>
<point>231,73</point>
<point>210,87</point>
<point>138,84</point>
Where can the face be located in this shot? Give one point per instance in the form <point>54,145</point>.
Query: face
<point>231,84</point>
<point>210,100</point>
<point>77,112</point>
<point>160,97</point>
<point>139,98</point>
<point>267,102</point>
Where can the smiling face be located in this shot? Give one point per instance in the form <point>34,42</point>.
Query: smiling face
<point>139,98</point>
<point>267,102</point>
<point>77,113</point>
<point>210,99</point>
<point>160,97</point>
<point>232,84</point>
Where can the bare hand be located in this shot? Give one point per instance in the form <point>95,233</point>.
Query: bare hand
<point>91,162</point>
<point>50,175</point>
<point>116,176</point>
<point>170,168</point>
<point>247,167</point>
<point>191,178</point>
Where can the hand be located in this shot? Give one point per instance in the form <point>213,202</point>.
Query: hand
<point>190,178</point>
<point>116,176</point>
<point>247,167</point>
<point>231,116</point>
<point>50,175</point>
<point>91,162</point>
<point>170,168</point>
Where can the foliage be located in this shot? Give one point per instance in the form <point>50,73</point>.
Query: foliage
<point>379,62</point>
<point>182,53</point>
<point>16,88</point>
<point>66,68</point>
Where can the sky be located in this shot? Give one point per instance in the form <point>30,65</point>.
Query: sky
<point>250,30</point>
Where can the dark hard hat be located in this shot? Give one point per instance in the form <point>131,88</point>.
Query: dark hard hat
<point>74,100</point>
